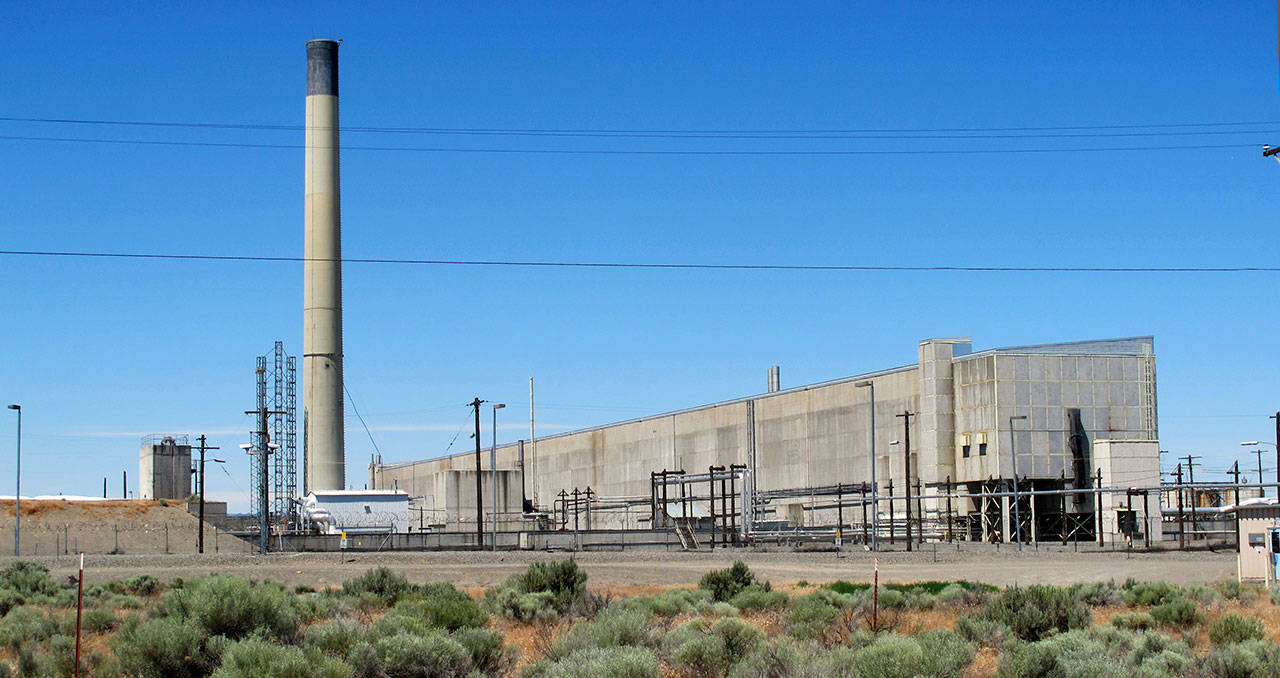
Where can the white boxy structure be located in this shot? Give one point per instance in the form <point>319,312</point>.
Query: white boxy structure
<point>357,511</point>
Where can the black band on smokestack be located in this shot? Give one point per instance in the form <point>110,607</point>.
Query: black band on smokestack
<point>322,67</point>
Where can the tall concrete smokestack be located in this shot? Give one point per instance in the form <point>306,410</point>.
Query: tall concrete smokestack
<point>322,305</point>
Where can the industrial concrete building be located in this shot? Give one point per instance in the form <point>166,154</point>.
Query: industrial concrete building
<point>967,418</point>
<point>164,466</point>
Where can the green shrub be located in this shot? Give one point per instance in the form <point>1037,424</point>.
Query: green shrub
<point>1149,593</point>
<point>24,625</point>
<point>945,653</point>
<point>933,653</point>
<point>809,616</point>
<point>615,627</point>
<point>1163,665</point>
<point>28,579</point>
<point>1134,621</point>
<point>142,585</point>
<point>962,593</point>
<point>563,579</point>
<point>1201,595</point>
<point>984,632</point>
<point>615,662</point>
<point>702,656</point>
<point>778,658</point>
<point>168,647</point>
<point>1233,628</point>
<point>739,637</point>
<point>444,608</point>
<point>1233,589</point>
<point>336,638</point>
<point>381,582</point>
<point>1275,595</point>
<point>508,601</point>
<point>727,583</point>
<point>1178,612</point>
<point>1068,655</point>
<point>99,620</point>
<point>262,659</point>
<point>1241,660</point>
<point>718,609</point>
<point>1097,593</point>
<point>32,663</point>
<point>671,603</point>
<point>435,655</point>
<point>757,597</point>
<point>1036,611</point>
<point>489,654</point>
<point>889,599</point>
<point>890,656</point>
<point>233,607</point>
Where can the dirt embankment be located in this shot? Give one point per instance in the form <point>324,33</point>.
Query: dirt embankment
<point>134,526</point>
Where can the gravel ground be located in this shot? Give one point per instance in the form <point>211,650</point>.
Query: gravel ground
<point>659,568</point>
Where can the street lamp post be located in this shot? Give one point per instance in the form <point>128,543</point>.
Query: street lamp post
<point>875,499</point>
<point>1013,453</point>
<point>203,448</point>
<point>17,489</point>
<point>1255,443</point>
<point>264,526</point>
<point>493,470</point>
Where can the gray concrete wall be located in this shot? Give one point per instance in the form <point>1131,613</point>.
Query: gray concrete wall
<point>819,435</point>
<point>165,471</point>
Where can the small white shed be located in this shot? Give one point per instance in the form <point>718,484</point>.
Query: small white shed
<point>357,511</point>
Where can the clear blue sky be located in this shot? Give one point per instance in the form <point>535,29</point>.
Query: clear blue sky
<point>100,352</point>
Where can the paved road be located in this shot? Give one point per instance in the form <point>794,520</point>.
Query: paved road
<point>650,568</point>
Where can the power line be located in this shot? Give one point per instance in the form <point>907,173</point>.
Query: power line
<point>635,152</point>
<point>646,265</point>
<point>647,133</point>
<point>366,426</point>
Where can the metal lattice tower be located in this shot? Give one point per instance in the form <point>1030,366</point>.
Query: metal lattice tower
<point>277,392</point>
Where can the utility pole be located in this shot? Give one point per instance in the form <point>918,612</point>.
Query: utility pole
<point>906,454</point>
<point>1182,535</point>
<point>475,405</point>
<point>1191,480</point>
<point>1235,480</point>
<point>203,448</point>
<point>1276,416</point>
<point>1261,490</point>
<point>264,494</point>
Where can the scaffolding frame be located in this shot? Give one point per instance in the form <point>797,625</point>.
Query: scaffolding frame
<point>277,391</point>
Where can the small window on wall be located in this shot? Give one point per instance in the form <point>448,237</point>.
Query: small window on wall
<point>982,449</point>
<point>964,451</point>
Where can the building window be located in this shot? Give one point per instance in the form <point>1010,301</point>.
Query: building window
<point>982,449</point>
<point>964,451</point>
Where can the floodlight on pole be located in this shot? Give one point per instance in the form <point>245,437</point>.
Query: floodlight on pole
<point>17,489</point>
<point>493,471</point>
<point>875,497</point>
<point>1013,454</point>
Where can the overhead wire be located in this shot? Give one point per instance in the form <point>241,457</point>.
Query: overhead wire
<point>646,133</point>
<point>640,152</point>
<point>652,265</point>
<point>366,426</point>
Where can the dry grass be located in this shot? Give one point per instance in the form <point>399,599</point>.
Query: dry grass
<point>105,508</point>
<point>986,663</point>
